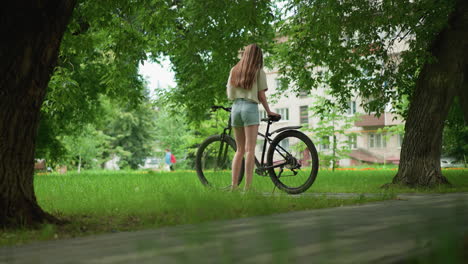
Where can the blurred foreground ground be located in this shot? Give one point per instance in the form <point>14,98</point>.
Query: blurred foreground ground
<point>412,229</point>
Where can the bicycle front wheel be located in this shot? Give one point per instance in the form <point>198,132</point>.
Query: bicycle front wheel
<point>214,161</point>
<point>293,160</point>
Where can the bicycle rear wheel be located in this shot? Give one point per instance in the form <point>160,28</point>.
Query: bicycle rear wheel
<point>296,162</point>
<point>214,161</point>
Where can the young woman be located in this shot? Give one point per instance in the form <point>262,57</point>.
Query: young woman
<point>246,86</point>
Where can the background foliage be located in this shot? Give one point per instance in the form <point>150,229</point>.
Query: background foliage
<point>332,130</point>
<point>96,88</point>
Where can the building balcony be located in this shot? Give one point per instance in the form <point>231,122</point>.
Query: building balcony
<point>367,156</point>
<point>386,119</point>
<point>370,120</point>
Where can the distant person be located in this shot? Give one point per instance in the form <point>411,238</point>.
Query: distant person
<point>169,160</point>
<point>246,86</point>
<point>173,161</point>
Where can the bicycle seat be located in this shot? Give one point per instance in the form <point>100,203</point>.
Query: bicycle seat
<point>272,118</point>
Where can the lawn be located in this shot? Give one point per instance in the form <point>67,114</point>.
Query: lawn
<point>102,201</point>
<point>370,180</point>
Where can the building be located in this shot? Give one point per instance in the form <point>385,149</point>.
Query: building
<point>367,146</point>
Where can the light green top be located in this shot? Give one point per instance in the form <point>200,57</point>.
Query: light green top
<point>259,84</point>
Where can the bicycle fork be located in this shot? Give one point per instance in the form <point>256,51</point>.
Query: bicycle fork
<point>222,153</point>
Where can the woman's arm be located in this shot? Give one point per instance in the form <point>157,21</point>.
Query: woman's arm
<point>262,98</point>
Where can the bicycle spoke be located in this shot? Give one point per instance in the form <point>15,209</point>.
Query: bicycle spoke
<point>215,160</point>
<point>298,171</point>
<point>219,160</point>
<point>292,160</point>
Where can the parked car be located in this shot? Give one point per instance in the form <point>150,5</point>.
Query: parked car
<point>450,162</point>
<point>151,163</point>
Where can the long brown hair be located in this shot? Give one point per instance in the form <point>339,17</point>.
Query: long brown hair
<point>243,74</point>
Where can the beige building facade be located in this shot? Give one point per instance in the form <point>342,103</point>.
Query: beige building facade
<point>370,145</point>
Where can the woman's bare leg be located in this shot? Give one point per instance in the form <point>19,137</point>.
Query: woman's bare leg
<point>237,161</point>
<point>250,143</point>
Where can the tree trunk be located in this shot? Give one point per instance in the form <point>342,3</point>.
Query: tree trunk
<point>31,34</point>
<point>436,87</point>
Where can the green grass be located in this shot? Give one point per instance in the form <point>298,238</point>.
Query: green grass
<point>367,180</point>
<point>101,201</point>
<point>371,181</point>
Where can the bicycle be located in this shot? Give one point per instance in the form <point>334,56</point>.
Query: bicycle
<point>291,160</point>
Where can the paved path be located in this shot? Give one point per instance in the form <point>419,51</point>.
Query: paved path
<point>383,232</point>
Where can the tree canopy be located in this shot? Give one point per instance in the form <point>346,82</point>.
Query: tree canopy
<point>106,41</point>
<point>203,45</point>
<point>102,47</point>
<point>386,52</point>
<point>373,49</point>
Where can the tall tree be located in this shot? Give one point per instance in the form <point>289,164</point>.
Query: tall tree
<point>385,51</point>
<point>204,45</point>
<point>103,46</point>
<point>200,37</point>
<point>437,85</point>
<point>99,56</point>
<point>86,147</point>
<point>172,132</point>
<point>131,130</point>
<point>32,32</point>
<point>333,127</point>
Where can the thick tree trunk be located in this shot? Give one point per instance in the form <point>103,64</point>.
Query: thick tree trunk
<point>437,85</point>
<point>31,34</point>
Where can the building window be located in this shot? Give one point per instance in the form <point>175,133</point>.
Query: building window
<point>304,114</point>
<point>277,83</point>
<point>285,144</point>
<point>371,140</point>
<point>400,140</point>
<point>377,141</point>
<point>284,112</point>
<point>352,142</point>
<point>351,107</point>
<point>303,94</point>
<point>384,141</point>
<point>260,143</point>
<point>325,143</point>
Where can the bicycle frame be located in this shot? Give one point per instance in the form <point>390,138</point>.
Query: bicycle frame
<point>291,153</point>
<point>261,168</point>
<point>222,156</point>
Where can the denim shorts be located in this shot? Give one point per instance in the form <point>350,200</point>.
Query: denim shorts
<point>244,113</point>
